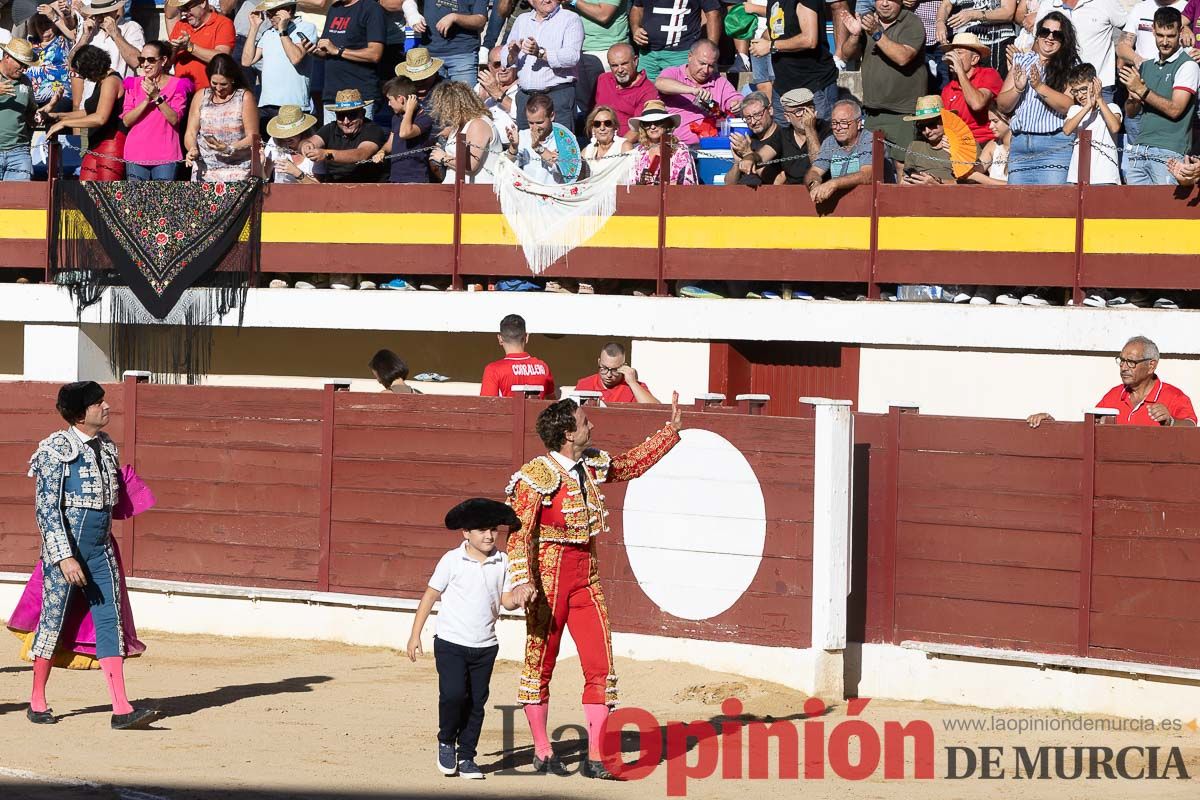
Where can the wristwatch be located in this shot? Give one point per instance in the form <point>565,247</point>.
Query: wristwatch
<point>329,156</point>
<point>340,51</point>
<point>158,101</point>
<point>876,36</point>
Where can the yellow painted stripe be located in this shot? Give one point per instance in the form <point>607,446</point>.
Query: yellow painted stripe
<point>22,224</point>
<point>302,227</point>
<point>1172,237</point>
<point>774,233</point>
<point>978,234</point>
<point>632,231</point>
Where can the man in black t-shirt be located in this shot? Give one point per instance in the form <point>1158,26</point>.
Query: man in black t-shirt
<point>799,52</point>
<point>764,141</point>
<point>342,150</point>
<point>352,45</point>
<point>664,30</point>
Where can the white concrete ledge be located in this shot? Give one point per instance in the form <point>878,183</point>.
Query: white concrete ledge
<point>868,323</point>
<point>1050,661</point>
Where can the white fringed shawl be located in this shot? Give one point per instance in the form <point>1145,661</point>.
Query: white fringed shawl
<point>551,220</point>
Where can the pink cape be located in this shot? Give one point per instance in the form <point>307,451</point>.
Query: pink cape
<point>79,632</point>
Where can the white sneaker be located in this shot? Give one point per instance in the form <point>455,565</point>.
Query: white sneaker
<point>276,283</point>
<point>304,285</point>
<point>1166,302</point>
<point>1007,299</point>
<point>1094,301</point>
<point>1034,299</point>
<point>367,285</point>
<point>960,296</point>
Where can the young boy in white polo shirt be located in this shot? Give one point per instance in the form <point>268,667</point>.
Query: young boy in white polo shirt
<point>470,582</point>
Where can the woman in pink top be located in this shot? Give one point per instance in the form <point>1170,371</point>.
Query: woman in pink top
<point>154,104</point>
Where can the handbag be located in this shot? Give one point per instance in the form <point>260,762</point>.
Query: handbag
<point>133,495</point>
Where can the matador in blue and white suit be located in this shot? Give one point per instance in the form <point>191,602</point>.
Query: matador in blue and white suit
<point>77,472</point>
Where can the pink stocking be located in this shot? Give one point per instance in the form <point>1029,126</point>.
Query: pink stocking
<point>114,674</point>
<point>41,675</point>
<point>596,715</point>
<point>537,714</point>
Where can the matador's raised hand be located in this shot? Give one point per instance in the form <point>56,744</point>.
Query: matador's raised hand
<point>676,415</point>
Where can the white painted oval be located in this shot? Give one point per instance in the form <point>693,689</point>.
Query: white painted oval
<point>695,527</point>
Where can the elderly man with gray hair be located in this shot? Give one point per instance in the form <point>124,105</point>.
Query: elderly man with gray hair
<point>1142,398</point>
<point>845,155</point>
<point>763,144</point>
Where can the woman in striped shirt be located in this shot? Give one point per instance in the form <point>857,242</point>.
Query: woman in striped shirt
<point>1035,94</point>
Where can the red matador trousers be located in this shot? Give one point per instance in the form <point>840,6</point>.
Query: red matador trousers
<point>570,598</point>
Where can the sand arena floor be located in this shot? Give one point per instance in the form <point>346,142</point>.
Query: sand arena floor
<point>286,719</point>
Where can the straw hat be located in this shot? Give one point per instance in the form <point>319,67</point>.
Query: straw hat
<point>969,41</point>
<point>418,64</point>
<point>653,111</point>
<point>346,100</point>
<point>271,5</point>
<point>102,7</point>
<point>181,3</point>
<point>928,107</point>
<point>290,121</point>
<point>20,49</point>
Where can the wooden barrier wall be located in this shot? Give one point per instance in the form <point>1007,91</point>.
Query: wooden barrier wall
<point>1074,538</point>
<point>1060,236</point>
<point>346,492</point>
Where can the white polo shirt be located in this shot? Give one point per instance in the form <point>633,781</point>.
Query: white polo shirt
<point>471,593</point>
<point>1141,25</point>
<point>1095,23</point>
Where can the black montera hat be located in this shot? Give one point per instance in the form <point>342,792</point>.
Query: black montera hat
<point>479,514</point>
<point>74,398</point>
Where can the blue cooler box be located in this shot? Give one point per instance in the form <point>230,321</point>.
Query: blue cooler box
<point>713,160</point>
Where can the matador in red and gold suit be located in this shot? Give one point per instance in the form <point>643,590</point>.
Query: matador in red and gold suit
<point>553,569</point>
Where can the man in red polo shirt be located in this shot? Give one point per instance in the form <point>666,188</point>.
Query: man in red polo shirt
<point>972,88</point>
<point>198,34</point>
<point>1142,398</point>
<point>517,368</point>
<point>626,88</point>
<point>616,381</point>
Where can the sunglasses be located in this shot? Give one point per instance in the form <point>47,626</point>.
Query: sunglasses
<point>143,60</point>
<point>347,115</point>
<point>495,65</point>
<point>603,123</point>
<point>1053,34</point>
<point>924,126</point>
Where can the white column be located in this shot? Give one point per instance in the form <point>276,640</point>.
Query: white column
<point>833,466</point>
<point>63,353</point>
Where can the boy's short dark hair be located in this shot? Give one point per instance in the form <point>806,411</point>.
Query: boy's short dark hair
<point>512,328</point>
<point>1081,73</point>
<point>399,86</point>
<point>1168,17</point>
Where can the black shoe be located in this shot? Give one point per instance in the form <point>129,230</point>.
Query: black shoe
<point>40,717</point>
<point>551,764</point>
<point>597,770</point>
<point>138,718</point>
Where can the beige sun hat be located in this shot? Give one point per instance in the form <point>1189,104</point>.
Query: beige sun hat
<point>271,5</point>
<point>102,7</point>
<point>653,111</point>
<point>290,121</point>
<point>928,107</point>
<point>21,50</point>
<point>969,41</point>
<point>346,100</point>
<point>418,64</point>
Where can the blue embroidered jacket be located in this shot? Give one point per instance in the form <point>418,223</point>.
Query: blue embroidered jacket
<point>68,477</point>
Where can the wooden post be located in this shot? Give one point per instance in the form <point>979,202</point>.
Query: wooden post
<point>256,162</point>
<point>709,399</point>
<point>53,167</point>
<point>833,467</point>
<point>664,179</point>
<point>129,382</point>
<point>877,166</point>
<point>1084,177</point>
<point>752,403</point>
<point>325,523</point>
<point>460,168</point>
<point>1087,504</point>
<point>891,523</point>
<point>519,395</point>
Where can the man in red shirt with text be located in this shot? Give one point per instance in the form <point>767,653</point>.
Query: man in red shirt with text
<point>972,88</point>
<point>517,368</point>
<point>198,33</point>
<point>616,381</point>
<point>1142,398</point>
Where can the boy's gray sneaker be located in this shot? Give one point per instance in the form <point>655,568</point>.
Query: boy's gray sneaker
<point>447,764</point>
<point>468,769</point>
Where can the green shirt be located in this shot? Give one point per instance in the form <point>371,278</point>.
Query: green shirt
<point>1162,78</point>
<point>597,37</point>
<point>16,115</point>
<point>887,87</point>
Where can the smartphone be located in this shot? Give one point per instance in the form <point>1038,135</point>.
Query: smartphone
<point>303,38</point>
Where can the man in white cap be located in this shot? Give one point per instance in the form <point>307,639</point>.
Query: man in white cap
<point>102,26</point>
<point>278,43</point>
<point>17,107</point>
